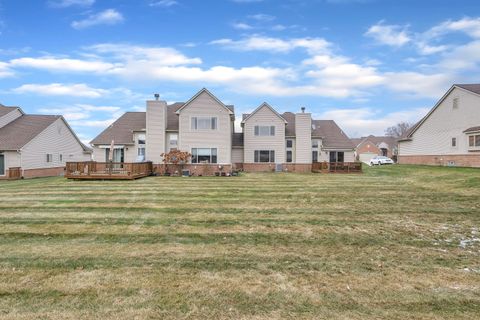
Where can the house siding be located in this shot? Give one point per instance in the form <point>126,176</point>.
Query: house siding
<point>9,117</point>
<point>435,134</point>
<point>303,134</point>
<point>12,159</point>
<point>156,123</point>
<point>56,139</point>
<point>221,138</point>
<point>237,155</point>
<point>264,116</point>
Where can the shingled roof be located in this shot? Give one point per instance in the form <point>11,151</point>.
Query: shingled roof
<point>22,130</point>
<point>391,141</point>
<point>331,134</point>
<point>475,87</point>
<point>4,110</point>
<point>122,130</point>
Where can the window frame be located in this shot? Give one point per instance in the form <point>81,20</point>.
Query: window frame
<point>258,154</point>
<point>141,141</point>
<point>288,158</point>
<point>194,123</point>
<point>49,157</point>
<point>476,141</point>
<point>454,142</point>
<point>213,157</point>
<point>258,132</point>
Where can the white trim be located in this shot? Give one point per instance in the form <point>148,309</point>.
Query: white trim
<point>106,146</point>
<point>260,107</point>
<point>197,95</point>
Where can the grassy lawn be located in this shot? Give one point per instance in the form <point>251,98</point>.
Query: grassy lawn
<point>398,242</point>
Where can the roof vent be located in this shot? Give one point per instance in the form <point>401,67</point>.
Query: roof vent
<point>303,109</point>
<point>157,96</point>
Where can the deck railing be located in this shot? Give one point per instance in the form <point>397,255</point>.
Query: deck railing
<point>337,167</point>
<point>107,170</point>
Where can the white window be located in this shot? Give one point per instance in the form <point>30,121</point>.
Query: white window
<point>49,157</point>
<point>454,142</point>
<point>173,140</point>
<point>264,156</point>
<point>289,143</point>
<point>60,157</point>
<point>141,139</point>
<point>204,155</point>
<point>141,151</point>
<point>263,131</point>
<point>314,143</point>
<point>204,123</point>
<point>474,141</point>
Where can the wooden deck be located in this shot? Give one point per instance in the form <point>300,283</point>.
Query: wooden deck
<point>337,167</point>
<point>91,170</point>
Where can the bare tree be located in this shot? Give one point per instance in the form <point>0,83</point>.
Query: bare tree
<point>398,130</point>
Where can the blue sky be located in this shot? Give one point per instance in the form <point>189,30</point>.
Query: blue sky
<point>367,64</point>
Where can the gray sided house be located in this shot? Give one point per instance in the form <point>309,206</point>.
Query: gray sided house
<point>36,145</point>
<point>205,127</point>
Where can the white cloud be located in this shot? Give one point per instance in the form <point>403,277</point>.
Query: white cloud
<point>163,3</point>
<point>69,3</point>
<point>137,54</point>
<point>80,111</point>
<point>357,122</point>
<point>469,26</point>
<point>263,43</point>
<point>5,70</point>
<point>241,26</point>
<point>391,35</point>
<point>418,84</point>
<point>262,17</point>
<point>107,17</point>
<point>59,89</point>
<point>62,64</point>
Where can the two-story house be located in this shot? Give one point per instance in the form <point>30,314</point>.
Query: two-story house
<point>36,145</point>
<point>449,134</point>
<point>205,127</point>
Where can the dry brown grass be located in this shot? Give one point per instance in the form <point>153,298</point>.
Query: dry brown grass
<point>393,243</point>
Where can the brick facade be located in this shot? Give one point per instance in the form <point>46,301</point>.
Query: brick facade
<point>464,160</point>
<point>195,169</point>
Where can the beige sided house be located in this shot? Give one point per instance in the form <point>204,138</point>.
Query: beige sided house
<point>204,126</point>
<point>36,145</point>
<point>371,146</point>
<point>449,134</point>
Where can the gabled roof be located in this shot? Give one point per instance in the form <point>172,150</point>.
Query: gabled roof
<point>247,116</point>
<point>290,127</point>
<point>377,140</point>
<point>204,90</point>
<point>4,110</point>
<point>22,130</point>
<point>473,88</point>
<point>121,131</point>
<point>331,134</point>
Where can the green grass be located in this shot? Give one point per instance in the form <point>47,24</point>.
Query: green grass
<point>397,242</point>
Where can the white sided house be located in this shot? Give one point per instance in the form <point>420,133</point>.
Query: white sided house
<point>36,145</point>
<point>205,127</point>
<point>449,135</point>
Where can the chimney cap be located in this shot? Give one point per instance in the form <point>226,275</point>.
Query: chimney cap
<point>303,109</point>
<point>157,96</point>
